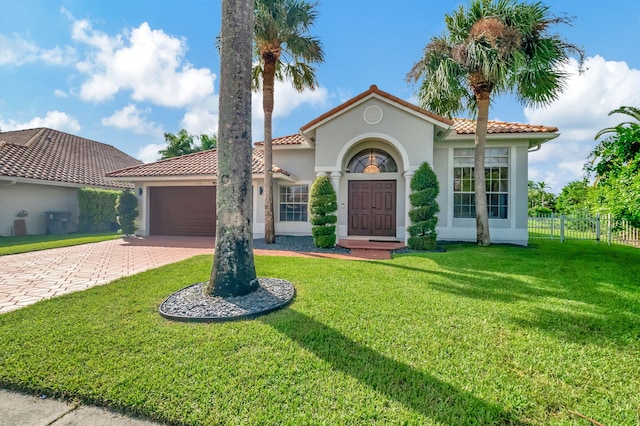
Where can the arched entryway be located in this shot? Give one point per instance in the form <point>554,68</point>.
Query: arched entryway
<point>372,206</point>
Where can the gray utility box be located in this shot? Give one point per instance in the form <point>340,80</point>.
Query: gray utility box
<point>57,222</point>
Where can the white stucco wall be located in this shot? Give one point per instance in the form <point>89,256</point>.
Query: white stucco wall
<point>512,230</point>
<point>36,199</point>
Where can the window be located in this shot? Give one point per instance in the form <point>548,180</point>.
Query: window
<point>496,168</point>
<point>372,161</point>
<point>293,203</point>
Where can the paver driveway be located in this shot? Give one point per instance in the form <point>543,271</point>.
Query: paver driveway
<point>30,277</point>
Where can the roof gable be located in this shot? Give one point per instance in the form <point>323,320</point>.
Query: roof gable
<point>374,92</point>
<point>54,156</point>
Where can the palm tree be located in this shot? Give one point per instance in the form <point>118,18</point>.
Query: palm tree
<point>207,142</point>
<point>283,51</point>
<point>541,186</point>
<point>627,110</point>
<point>234,272</point>
<point>178,145</point>
<point>491,48</point>
<point>621,146</point>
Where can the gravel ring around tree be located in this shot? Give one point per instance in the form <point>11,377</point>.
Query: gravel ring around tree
<point>191,304</point>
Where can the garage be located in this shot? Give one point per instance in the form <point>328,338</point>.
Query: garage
<point>183,210</point>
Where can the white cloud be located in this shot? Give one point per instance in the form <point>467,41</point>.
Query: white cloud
<point>202,118</point>
<point>147,62</point>
<point>149,153</point>
<point>286,100</point>
<point>53,119</point>
<point>60,93</point>
<point>133,119</point>
<point>580,112</point>
<point>20,51</point>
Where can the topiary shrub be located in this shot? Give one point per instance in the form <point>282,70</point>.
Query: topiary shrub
<point>97,210</point>
<point>127,211</point>
<point>425,188</point>
<point>322,207</point>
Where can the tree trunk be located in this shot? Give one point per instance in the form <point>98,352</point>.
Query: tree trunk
<point>234,272</point>
<point>482,215</point>
<point>268,84</point>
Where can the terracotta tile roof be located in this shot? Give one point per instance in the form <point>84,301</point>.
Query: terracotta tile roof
<point>465,126</point>
<point>296,139</point>
<point>204,163</point>
<point>374,90</point>
<point>49,155</point>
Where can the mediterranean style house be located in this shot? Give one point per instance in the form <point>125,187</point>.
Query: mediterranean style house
<point>370,148</point>
<point>40,172</point>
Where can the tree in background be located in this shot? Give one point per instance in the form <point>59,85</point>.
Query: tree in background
<point>322,207</point>
<point>615,163</point>
<point>184,143</point>
<point>234,271</point>
<point>283,50</point>
<point>424,190</point>
<point>127,212</point>
<point>573,198</point>
<point>491,48</point>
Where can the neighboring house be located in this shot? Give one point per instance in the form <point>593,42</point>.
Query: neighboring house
<point>41,170</point>
<point>370,147</point>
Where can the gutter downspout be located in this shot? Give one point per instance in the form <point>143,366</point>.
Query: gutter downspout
<point>536,148</point>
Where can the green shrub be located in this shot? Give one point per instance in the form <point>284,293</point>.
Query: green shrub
<point>322,207</point>
<point>97,210</point>
<point>127,210</point>
<point>425,188</point>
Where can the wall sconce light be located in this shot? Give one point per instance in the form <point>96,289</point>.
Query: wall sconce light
<point>140,191</point>
<point>261,190</point>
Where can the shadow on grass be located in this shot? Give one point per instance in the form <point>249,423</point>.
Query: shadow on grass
<point>416,390</point>
<point>580,294</point>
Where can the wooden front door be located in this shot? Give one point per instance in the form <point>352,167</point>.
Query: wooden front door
<point>372,208</point>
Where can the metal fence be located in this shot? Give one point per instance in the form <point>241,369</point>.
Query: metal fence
<point>600,228</point>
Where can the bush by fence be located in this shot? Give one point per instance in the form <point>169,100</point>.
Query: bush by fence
<point>600,228</point>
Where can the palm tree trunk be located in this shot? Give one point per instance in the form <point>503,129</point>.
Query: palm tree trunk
<point>482,215</point>
<point>267,105</point>
<point>234,272</point>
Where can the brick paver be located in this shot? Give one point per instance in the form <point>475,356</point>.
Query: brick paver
<point>30,277</point>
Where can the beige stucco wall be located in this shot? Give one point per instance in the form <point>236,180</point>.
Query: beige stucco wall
<point>36,199</point>
<point>410,136</point>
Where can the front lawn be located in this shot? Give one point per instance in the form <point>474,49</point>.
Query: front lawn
<point>15,245</point>
<point>497,335</point>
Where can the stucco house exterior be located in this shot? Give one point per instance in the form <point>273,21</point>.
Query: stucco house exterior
<point>370,147</point>
<point>41,170</point>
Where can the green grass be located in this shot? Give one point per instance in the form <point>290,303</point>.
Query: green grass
<point>497,335</point>
<point>15,245</point>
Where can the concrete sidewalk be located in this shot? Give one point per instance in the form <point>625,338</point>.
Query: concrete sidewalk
<point>17,409</point>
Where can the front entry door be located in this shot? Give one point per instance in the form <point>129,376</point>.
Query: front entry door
<point>372,208</point>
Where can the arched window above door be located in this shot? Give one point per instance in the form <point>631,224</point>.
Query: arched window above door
<point>372,160</point>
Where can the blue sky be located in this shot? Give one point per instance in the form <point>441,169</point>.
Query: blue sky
<point>123,72</point>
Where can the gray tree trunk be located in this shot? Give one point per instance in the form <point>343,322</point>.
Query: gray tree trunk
<point>482,215</point>
<point>234,272</point>
<point>268,88</point>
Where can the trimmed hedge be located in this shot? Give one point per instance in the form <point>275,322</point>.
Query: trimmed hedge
<point>322,207</point>
<point>97,210</point>
<point>425,188</point>
<point>127,211</point>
